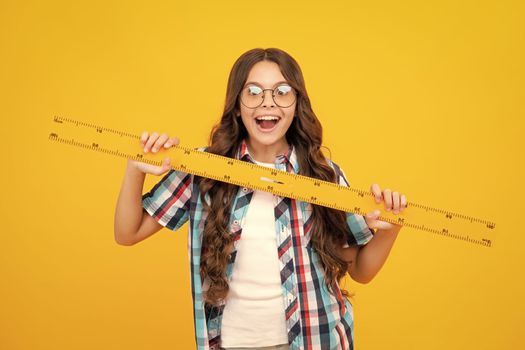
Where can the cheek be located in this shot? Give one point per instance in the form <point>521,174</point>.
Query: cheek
<point>288,122</point>
<point>292,112</point>
<point>290,117</point>
<point>246,116</point>
<point>243,110</point>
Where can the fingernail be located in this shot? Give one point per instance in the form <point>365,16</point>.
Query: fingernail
<point>395,212</point>
<point>154,149</point>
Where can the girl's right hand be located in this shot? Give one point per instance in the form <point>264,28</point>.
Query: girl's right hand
<point>154,143</point>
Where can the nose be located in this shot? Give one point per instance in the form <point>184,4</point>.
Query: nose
<point>268,99</point>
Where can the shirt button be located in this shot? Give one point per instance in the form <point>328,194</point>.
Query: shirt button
<point>244,189</point>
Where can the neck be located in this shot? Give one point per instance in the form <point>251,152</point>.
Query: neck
<point>266,153</point>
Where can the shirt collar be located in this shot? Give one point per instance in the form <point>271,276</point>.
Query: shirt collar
<point>289,158</point>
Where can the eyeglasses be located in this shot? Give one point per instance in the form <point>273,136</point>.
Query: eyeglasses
<point>252,96</point>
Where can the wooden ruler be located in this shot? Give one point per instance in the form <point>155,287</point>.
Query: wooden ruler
<point>442,222</point>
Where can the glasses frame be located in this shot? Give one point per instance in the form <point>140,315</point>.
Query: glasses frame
<point>273,96</point>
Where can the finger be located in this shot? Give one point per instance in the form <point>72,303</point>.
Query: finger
<point>403,202</point>
<point>174,141</point>
<point>151,140</point>
<point>143,138</point>
<point>160,141</point>
<point>376,191</point>
<point>395,202</point>
<point>387,195</point>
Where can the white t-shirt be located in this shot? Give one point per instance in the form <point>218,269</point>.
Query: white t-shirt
<point>254,311</point>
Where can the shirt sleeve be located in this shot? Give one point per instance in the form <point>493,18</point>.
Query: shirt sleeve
<point>168,201</point>
<point>361,234</point>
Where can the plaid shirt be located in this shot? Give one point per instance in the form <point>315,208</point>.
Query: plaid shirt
<point>315,319</point>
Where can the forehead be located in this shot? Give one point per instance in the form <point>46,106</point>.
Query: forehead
<point>265,73</point>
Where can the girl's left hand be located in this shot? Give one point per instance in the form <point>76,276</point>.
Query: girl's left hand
<point>394,201</point>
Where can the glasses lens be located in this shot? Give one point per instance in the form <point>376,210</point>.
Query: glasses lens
<point>252,96</point>
<point>284,95</point>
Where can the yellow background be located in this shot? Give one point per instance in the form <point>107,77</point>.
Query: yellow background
<point>425,97</point>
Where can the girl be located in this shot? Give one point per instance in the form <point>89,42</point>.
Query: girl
<point>265,270</point>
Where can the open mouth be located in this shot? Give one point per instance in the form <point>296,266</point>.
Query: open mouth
<point>267,122</point>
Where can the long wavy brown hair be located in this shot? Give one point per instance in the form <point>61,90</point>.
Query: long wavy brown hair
<point>329,229</point>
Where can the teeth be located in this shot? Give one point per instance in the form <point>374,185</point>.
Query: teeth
<point>268,117</point>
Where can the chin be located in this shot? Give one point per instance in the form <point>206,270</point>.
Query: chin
<point>266,140</point>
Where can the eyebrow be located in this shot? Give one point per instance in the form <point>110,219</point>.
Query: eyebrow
<point>255,83</point>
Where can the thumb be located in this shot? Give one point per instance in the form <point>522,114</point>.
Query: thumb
<point>371,218</point>
<point>166,163</point>
<point>374,214</point>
